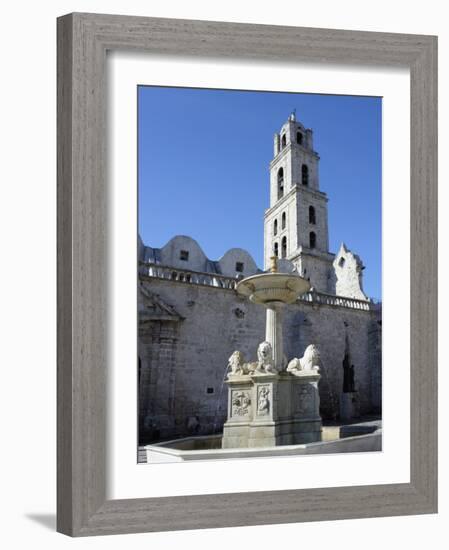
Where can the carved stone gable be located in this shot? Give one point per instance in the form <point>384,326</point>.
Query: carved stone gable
<point>153,308</point>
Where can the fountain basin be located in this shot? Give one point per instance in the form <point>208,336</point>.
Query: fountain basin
<point>273,287</point>
<point>334,440</point>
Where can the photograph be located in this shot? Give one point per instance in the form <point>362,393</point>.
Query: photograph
<point>259,274</point>
<point>229,218</point>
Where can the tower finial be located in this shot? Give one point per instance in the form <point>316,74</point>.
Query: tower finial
<point>293,115</point>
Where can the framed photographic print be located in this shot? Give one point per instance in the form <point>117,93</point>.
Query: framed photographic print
<point>247,274</point>
<point>231,182</point>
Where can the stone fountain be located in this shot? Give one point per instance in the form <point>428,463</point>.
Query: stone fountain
<point>271,402</point>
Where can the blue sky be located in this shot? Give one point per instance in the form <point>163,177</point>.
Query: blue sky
<point>203,167</point>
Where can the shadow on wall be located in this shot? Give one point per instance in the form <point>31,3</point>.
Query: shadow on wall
<point>46,520</point>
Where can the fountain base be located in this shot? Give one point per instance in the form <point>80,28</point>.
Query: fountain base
<point>365,436</point>
<point>268,409</point>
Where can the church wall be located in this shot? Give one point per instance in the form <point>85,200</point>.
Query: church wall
<point>284,161</point>
<point>216,322</point>
<point>171,254</point>
<point>317,270</point>
<point>157,376</point>
<point>227,263</point>
<point>375,360</point>
<point>348,272</point>
<point>300,156</point>
<point>184,355</point>
<point>289,207</point>
<point>183,362</point>
<point>304,227</point>
<point>327,327</point>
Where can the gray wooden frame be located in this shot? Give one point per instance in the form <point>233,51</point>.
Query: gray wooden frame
<point>83,40</point>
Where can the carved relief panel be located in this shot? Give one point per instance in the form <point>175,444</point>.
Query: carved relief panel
<point>305,400</point>
<point>263,400</point>
<point>241,404</point>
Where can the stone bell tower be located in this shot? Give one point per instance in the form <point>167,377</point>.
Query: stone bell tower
<point>296,223</point>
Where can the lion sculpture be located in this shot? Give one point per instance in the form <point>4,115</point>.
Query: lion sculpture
<point>236,364</point>
<point>264,363</point>
<point>310,361</point>
<point>265,358</point>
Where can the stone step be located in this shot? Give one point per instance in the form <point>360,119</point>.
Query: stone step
<point>141,455</point>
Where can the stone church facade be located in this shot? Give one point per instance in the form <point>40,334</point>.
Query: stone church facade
<point>191,319</point>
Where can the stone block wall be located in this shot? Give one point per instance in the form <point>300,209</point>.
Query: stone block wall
<point>327,328</point>
<point>305,199</point>
<point>183,363</point>
<point>316,268</point>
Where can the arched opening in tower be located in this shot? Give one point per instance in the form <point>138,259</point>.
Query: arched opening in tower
<point>305,174</point>
<point>312,218</point>
<point>312,240</point>
<point>284,247</point>
<point>280,183</point>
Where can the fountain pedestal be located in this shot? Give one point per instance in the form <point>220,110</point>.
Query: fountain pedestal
<point>273,332</point>
<point>266,410</point>
<point>268,405</point>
